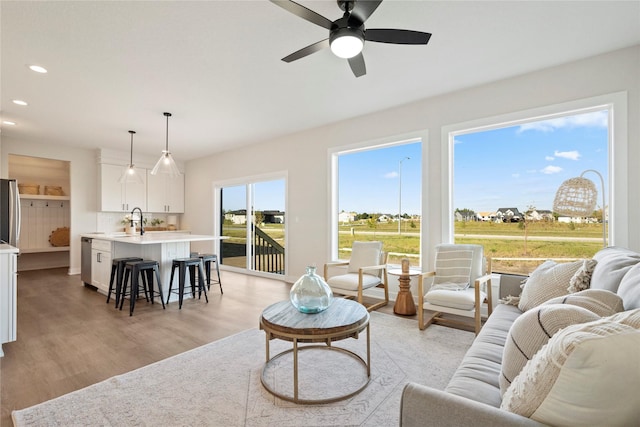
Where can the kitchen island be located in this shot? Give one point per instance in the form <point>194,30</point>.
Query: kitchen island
<point>163,247</point>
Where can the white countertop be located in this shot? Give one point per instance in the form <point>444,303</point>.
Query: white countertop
<point>152,238</point>
<point>8,249</point>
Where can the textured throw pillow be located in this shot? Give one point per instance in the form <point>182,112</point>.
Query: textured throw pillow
<point>531,331</point>
<point>581,280</point>
<point>548,281</point>
<point>599,301</point>
<point>453,268</point>
<point>364,254</point>
<point>587,374</point>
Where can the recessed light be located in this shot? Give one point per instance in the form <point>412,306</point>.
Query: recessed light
<point>10,123</point>
<point>37,69</point>
<point>20,102</point>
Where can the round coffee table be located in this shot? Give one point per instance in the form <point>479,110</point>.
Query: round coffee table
<point>343,319</point>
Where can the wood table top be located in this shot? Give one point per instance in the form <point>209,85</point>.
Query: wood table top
<point>342,316</point>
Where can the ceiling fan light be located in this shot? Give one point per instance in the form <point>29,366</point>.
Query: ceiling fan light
<point>347,46</point>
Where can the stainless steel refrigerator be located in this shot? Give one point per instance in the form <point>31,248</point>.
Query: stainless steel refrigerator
<point>9,212</point>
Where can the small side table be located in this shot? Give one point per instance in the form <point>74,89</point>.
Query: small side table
<point>404,306</point>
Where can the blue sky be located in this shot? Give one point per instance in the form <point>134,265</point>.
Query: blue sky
<point>517,166</point>
<point>522,166</point>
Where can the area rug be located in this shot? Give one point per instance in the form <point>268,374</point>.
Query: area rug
<point>218,384</point>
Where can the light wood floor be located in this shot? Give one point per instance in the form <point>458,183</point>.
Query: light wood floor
<point>69,338</point>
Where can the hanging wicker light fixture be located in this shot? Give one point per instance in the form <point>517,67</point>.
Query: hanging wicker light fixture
<point>576,197</point>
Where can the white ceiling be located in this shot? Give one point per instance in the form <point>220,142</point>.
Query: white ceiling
<point>215,65</point>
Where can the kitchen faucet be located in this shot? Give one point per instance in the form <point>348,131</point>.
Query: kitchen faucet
<point>141,220</point>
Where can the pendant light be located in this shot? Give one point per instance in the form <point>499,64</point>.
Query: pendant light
<point>166,164</point>
<point>130,175</point>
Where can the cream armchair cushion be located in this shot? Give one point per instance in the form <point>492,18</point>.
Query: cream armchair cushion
<point>366,269</point>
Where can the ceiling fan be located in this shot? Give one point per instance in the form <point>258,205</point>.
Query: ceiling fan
<point>348,34</point>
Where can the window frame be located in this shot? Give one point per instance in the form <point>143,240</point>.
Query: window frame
<point>333,196</point>
<point>618,179</point>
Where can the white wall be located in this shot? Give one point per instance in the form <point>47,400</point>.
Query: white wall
<point>305,155</point>
<point>83,186</point>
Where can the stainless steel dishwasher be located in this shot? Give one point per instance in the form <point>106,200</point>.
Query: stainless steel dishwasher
<point>85,261</point>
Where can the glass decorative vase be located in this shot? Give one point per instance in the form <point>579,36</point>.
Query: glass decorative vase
<point>310,293</point>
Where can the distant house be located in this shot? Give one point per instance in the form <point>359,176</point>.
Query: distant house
<point>385,218</point>
<point>508,215</point>
<point>273,217</point>
<point>540,215</point>
<point>345,217</point>
<point>486,216</point>
<point>238,217</point>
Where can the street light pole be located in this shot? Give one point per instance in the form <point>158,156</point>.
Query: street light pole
<point>400,191</point>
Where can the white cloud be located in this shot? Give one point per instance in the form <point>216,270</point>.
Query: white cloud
<point>598,119</point>
<point>391,175</point>
<point>549,158</point>
<point>549,170</point>
<point>571,155</point>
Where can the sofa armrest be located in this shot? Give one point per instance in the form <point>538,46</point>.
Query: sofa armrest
<point>422,406</point>
<point>510,285</point>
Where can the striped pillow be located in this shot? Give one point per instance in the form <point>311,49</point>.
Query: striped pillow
<point>531,331</point>
<point>453,269</point>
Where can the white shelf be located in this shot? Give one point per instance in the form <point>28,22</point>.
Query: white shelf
<point>50,249</point>
<point>42,197</point>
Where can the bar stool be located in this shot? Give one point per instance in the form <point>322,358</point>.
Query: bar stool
<point>181,264</point>
<point>207,259</point>
<point>146,269</point>
<point>117,273</point>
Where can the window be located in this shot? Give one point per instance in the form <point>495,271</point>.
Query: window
<point>505,180</point>
<point>253,216</point>
<point>377,196</point>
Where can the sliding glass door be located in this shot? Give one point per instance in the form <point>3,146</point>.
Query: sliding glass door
<point>253,217</point>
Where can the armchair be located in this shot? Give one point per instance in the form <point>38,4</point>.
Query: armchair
<point>366,269</point>
<point>460,284</point>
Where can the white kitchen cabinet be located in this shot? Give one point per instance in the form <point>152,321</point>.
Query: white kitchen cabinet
<point>117,197</point>
<point>101,264</point>
<point>165,194</point>
<point>8,294</point>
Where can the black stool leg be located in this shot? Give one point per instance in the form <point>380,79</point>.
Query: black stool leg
<point>134,289</point>
<point>173,269</point>
<point>218,271</point>
<point>183,273</point>
<point>113,274</point>
<point>124,287</point>
<point>159,282</point>
<point>202,287</point>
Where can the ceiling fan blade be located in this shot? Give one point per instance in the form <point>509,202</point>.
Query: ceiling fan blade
<point>306,51</point>
<point>387,35</point>
<point>364,8</point>
<point>357,65</point>
<point>304,13</point>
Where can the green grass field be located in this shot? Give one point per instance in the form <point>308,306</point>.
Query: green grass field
<point>504,242</point>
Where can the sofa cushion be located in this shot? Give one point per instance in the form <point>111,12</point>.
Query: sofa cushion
<point>576,379</point>
<point>601,302</point>
<point>477,376</point>
<point>613,264</point>
<point>532,330</point>
<point>629,289</point>
<point>548,281</point>
<point>581,280</point>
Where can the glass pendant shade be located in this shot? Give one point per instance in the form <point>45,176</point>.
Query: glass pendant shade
<point>166,164</point>
<point>130,175</point>
<point>310,293</point>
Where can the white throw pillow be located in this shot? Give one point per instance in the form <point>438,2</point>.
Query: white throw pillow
<point>548,281</point>
<point>531,331</point>
<point>600,301</point>
<point>587,374</point>
<point>365,254</point>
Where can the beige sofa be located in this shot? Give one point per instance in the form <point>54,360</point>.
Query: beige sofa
<point>473,396</point>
